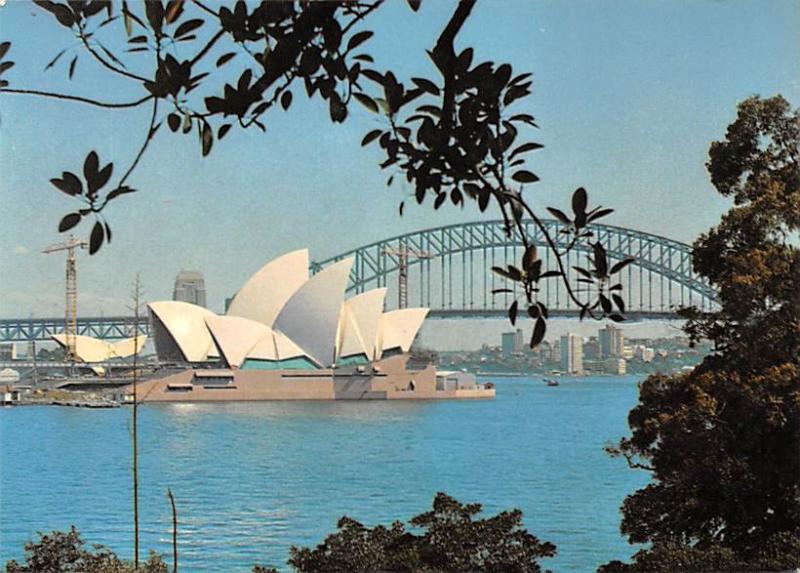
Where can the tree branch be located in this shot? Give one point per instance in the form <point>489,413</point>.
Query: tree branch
<point>105,64</point>
<point>80,99</point>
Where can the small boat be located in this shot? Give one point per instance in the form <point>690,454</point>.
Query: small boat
<point>551,382</point>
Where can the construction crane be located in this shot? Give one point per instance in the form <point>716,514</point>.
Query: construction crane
<point>71,311</point>
<point>403,253</point>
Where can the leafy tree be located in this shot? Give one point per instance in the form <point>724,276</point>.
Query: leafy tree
<point>452,540</point>
<point>64,552</point>
<point>453,136</point>
<point>723,442</point>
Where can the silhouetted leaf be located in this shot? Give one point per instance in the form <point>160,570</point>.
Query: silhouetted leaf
<point>286,99</point>
<point>440,199</point>
<point>501,290</point>
<point>358,39</point>
<point>616,317</point>
<point>558,214</point>
<point>605,303</point>
<point>531,256</point>
<point>600,259</point>
<point>154,10</point>
<point>174,122</point>
<point>579,200</point>
<point>483,199</point>
<point>512,312</point>
<point>69,183</point>
<point>619,302</point>
<point>207,139</point>
<point>598,214</point>
<point>371,136</point>
<point>101,179</point>
<point>524,176</point>
<point>402,207</point>
<point>534,311</point>
<point>523,148</point>
<point>96,238</point>
<point>225,58</point>
<point>6,66</point>
<point>414,4</point>
<point>366,101</point>
<point>501,271</point>
<point>108,232</point>
<point>187,27</point>
<point>72,67</point>
<point>91,165</point>
<point>4,46</point>
<point>538,332</point>
<point>583,272</point>
<point>621,265</point>
<point>52,62</point>
<point>119,191</point>
<point>68,222</point>
<point>223,129</point>
<point>426,85</point>
<point>174,10</point>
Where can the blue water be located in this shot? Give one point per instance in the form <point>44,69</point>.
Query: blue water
<point>251,479</point>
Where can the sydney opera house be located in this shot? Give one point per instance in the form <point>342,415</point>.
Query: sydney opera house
<point>290,336</point>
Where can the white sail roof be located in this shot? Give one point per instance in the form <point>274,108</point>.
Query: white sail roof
<point>359,324</point>
<point>264,294</point>
<point>399,328</point>
<point>87,349</point>
<point>186,324</point>
<point>235,336</point>
<point>311,316</point>
<point>129,346</point>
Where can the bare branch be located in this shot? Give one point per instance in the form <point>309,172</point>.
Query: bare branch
<point>108,105</point>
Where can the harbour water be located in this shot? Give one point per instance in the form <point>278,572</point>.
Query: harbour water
<point>252,479</point>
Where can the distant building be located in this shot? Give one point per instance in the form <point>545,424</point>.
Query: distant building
<point>616,366</point>
<point>612,342</point>
<point>190,286</point>
<point>572,354</point>
<point>8,351</point>
<point>513,342</point>
<point>643,353</point>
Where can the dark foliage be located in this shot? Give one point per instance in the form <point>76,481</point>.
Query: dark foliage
<point>723,442</point>
<point>453,136</point>
<point>451,540</point>
<point>64,552</point>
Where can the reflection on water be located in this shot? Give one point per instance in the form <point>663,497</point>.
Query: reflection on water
<point>251,479</point>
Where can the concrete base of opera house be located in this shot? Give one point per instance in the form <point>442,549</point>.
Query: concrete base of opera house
<point>393,378</point>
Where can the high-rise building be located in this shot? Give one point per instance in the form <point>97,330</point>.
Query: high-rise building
<point>190,286</point>
<point>513,342</point>
<point>611,341</point>
<point>572,354</point>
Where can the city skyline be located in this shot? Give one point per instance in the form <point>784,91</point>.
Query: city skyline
<point>613,147</point>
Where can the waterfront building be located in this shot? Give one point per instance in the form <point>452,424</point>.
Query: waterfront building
<point>190,286</point>
<point>643,353</point>
<point>611,341</point>
<point>513,342</point>
<point>288,335</point>
<point>8,351</point>
<point>572,354</point>
<point>616,366</point>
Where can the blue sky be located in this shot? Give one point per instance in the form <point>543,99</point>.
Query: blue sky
<point>628,94</point>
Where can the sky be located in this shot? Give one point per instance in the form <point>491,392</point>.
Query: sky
<point>628,94</point>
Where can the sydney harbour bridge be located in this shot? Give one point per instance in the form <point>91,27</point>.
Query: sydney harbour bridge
<point>448,269</point>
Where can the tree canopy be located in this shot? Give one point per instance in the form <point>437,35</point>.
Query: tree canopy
<point>452,540</point>
<point>722,442</point>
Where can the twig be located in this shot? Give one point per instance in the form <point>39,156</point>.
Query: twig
<point>207,47</point>
<point>174,532</point>
<point>80,99</point>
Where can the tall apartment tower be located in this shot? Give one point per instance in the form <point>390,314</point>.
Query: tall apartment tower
<point>190,286</point>
<point>572,354</point>
<point>611,341</point>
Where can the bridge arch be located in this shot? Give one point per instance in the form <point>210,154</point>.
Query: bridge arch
<point>457,281</point>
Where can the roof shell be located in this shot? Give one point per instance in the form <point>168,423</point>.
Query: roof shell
<point>265,293</point>
<point>185,322</point>
<point>311,316</point>
<point>359,324</point>
<point>87,349</point>
<point>399,328</point>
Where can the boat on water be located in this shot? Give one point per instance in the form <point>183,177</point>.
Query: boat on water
<point>551,382</point>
